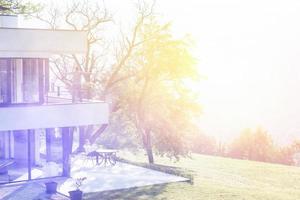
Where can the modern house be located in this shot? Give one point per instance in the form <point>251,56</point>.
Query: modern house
<point>36,128</point>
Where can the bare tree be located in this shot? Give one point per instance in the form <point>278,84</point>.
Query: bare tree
<point>105,63</point>
<point>81,15</point>
<point>144,55</point>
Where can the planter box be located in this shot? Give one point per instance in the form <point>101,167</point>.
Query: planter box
<point>76,195</point>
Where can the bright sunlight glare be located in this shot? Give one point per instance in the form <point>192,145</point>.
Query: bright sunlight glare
<point>248,51</point>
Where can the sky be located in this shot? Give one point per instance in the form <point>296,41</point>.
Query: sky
<point>249,53</point>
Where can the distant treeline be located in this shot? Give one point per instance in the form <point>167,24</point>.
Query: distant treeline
<point>251,144</point>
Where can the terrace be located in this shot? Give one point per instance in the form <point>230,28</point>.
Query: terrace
<point>99,179</point>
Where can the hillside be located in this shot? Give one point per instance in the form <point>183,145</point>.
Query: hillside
<point>217,178</point>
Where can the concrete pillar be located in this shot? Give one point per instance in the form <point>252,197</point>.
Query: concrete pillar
<point>81,139</point>
<point>49,133</point>
<point>67,149</point>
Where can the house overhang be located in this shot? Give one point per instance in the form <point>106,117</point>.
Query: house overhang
<point>56,115</point>
<point>27,43</point>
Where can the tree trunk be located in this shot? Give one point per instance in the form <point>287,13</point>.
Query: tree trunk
<point>97,133</point>
<point>67,149</point>
<point>81,139</point>
<point>148,146</point>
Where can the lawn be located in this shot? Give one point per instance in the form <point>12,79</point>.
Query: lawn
<point>217,178</point>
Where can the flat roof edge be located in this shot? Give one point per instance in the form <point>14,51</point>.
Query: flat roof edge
<point>44,29</point>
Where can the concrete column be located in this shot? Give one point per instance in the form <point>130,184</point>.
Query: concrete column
<point>67,149</point>
<point>81,139</point>
<point>6,145</point>
<point>49,132</point>
<point>37,146</point>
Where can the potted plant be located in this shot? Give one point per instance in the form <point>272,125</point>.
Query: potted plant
<point>50,169</point>
<point>51,187</point>
<point>77,194</point>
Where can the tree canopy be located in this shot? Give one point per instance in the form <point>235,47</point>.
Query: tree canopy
<point>142,75</point>
<point>156,99</point>
<point>17,7</point>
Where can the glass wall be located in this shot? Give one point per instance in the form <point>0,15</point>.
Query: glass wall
<point>27,154</point>
<point>17,81</point>
<point>23,80</point>
<point>13,156</point>
<point>30,154</point>
<point>48,154</point>
<point>30,81</point>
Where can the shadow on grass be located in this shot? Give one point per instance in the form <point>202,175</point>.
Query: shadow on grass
<point>147,192</point>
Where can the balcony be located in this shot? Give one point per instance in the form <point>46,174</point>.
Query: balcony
<point>57,112</point>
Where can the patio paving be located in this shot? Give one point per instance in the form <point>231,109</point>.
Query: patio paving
<point>120,176</point>
<point>28,191</point>
<point>98,179</point>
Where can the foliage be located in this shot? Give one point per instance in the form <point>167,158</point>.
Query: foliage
<point>283,155</point>
<point>203,144</point>
<point>161,105</point>
<point>253,145</point>
<point>18,7</point>
<point>78,182</point>
<point>121,133</point>
<point>286,154</point>
<point>258,145</point>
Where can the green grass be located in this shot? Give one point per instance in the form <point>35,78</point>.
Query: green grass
<point>217,178</point>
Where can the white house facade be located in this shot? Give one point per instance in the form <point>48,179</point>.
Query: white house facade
<point>35,128</point>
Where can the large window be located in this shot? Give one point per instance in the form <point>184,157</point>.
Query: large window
<point>23,80</point>
<point>30,81</point>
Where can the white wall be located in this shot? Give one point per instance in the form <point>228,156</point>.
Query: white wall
<point>8,21</point>
<point>51,116</point>
<point>40,43</point>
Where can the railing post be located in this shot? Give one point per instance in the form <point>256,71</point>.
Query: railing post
<point>30,134</point>
<point>58,91</point>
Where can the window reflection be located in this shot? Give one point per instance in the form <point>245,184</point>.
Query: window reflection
<point>23,80</point>
<point>3,81</point>
<point>30,81</point>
